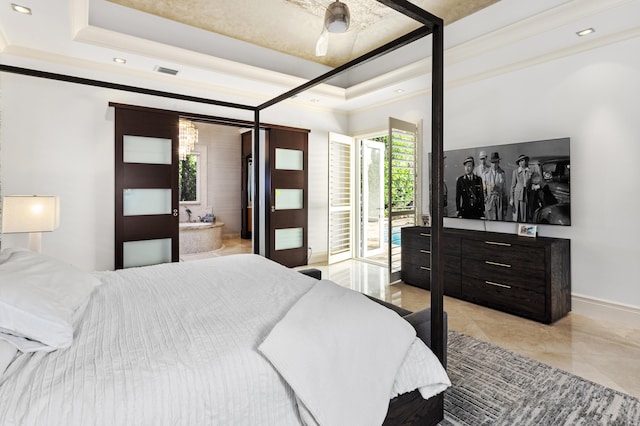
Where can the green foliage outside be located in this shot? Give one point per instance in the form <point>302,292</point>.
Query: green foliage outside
<point>403,188</point>
<point>188,179</point>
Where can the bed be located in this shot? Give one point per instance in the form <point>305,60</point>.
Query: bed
<point>236,340</point>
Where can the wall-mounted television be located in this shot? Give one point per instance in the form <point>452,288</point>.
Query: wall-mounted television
<point>525,182</point>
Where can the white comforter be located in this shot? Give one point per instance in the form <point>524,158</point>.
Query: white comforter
<point>172,344</point>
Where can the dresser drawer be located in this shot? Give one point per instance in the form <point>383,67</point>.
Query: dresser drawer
<point>416,256</point>
<point>525,278</point>
<point>420,237</point>
<point>514,300</point>
<point>416,238</point>
<point>515,255</point>
<point>416,275</point>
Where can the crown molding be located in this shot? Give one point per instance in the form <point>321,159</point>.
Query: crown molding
<point>530,27</point>
<point>393,78</point>
<point>4,43</point>
<point>515,66</point>
<point>78,15</point>
<point>547,57</point>
<point>117,70</point>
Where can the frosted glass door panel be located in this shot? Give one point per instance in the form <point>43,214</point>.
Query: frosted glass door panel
<point>140,149</point>
<point>289,199</point>
<point>148,252</point>
<point>289,159</point>
<point>289,238</point>
<point>146,201</point>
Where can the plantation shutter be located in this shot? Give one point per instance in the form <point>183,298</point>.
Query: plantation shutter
<point>402,200</point>
<point>341,188</point>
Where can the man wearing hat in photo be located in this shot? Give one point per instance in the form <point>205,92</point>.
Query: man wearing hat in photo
<point>483,167</point>
<point>469,193</point>
<point>520,189</point>
<point>495,190</point>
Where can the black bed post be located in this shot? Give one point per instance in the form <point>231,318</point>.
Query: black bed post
<point>255,233</point>
<point>437,202</point>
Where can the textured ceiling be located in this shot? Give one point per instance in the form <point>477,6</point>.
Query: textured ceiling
<point>293,26</point>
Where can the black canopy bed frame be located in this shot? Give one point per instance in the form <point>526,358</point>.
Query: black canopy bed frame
<point>409,408</point>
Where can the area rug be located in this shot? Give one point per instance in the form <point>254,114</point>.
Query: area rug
<point>493,386</point>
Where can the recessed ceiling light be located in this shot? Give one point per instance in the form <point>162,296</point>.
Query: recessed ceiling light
<point>399,91</point>
<point>21,9</point>
<point>585,32</point>
<point>120,60</point>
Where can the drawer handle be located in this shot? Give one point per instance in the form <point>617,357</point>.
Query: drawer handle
<point>498,244</point>
<point>497,284</point>
<point>425,268</point>
<point>425,251</point>
<point>504,265</point>
<point>422,234</point>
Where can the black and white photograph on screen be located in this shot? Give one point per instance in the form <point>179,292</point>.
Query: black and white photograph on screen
<point>525,182</point>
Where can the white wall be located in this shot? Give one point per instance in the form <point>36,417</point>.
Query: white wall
<point>591,97</point>
<point>58,138</point>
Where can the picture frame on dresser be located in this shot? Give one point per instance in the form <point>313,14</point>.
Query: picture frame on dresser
<point>526,230</point>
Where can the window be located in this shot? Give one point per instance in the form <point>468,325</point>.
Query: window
<point>189,179</point>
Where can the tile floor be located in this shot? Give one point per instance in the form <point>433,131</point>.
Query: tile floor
<point>604,353</point>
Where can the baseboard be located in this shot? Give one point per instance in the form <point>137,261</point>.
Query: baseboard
<point>320,257</point>
<point>626,315</point>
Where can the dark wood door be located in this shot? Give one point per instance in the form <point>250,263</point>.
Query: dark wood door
<point>288,203</point>
<point>146,187</point>
<point>246,191</point>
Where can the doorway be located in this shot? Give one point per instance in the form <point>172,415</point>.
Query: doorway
<point>374,191</point>
<point>212,217</point>
<point>372,205</point>
<point>389,193</point>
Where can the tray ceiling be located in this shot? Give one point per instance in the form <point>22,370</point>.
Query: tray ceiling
<point>293,26</point>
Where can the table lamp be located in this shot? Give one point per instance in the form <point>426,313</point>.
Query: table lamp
<point>30,213</point>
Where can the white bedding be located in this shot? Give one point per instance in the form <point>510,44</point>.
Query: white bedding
<point>341,353</point>
<point>172,344</point>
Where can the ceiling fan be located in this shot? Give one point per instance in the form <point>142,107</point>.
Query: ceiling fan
<point>336,20</point>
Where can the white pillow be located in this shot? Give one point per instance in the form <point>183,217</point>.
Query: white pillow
<point>39,296</point>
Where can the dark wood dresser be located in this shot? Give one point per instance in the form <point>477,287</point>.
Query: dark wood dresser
<point>529,277</point>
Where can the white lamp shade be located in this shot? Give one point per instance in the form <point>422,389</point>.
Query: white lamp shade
<point>30,213</point>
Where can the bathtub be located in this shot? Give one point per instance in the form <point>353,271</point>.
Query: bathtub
<point>200,237</point>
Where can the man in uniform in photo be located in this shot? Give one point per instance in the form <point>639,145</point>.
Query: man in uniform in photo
<point>495,190</point>
<point>469,193</point>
